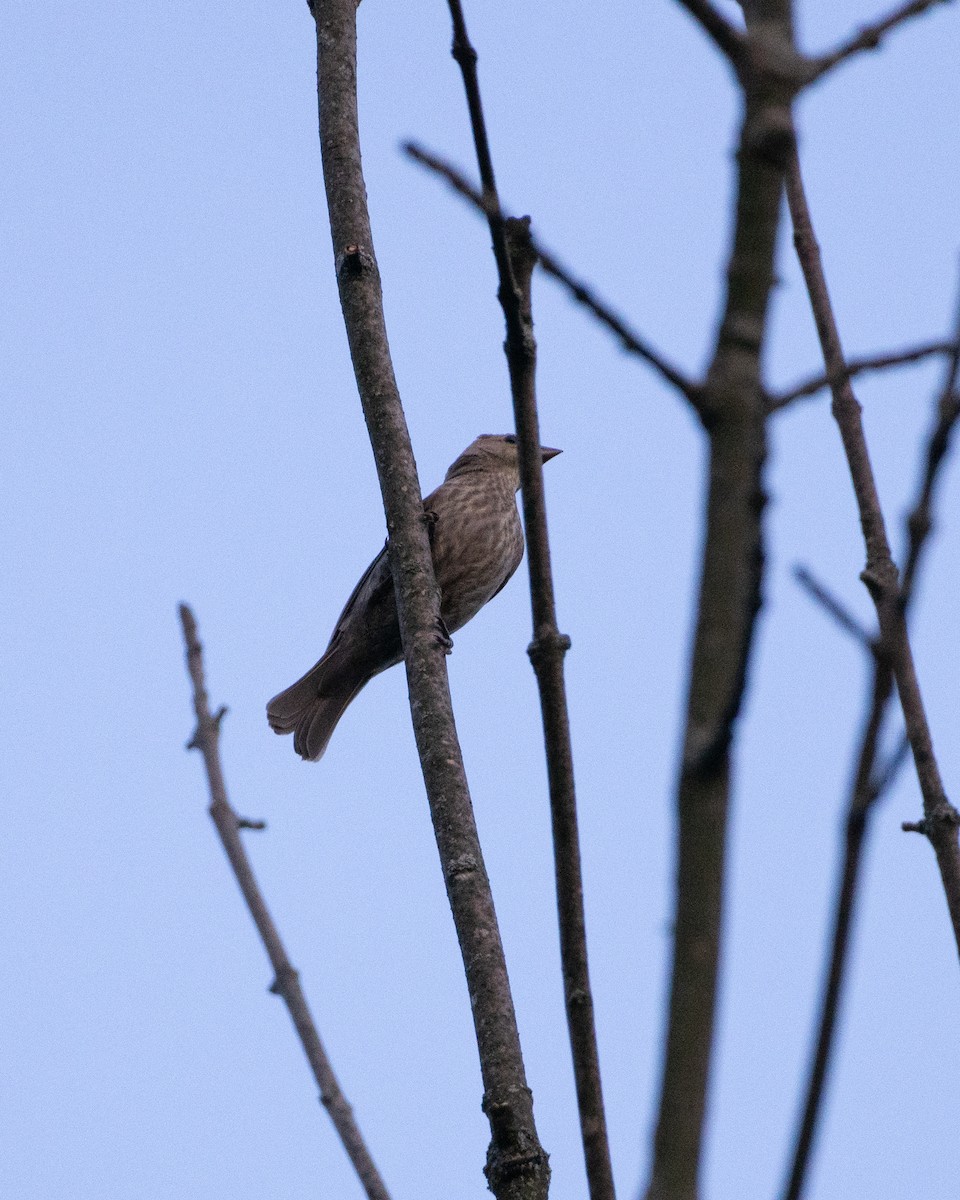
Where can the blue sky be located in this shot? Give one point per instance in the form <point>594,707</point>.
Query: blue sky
<point>181,422</point>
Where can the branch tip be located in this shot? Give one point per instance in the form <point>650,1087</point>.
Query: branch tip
<point>228,824</point>
<point>869,37</point>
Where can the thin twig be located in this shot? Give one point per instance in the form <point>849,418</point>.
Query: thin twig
<point>581,291</point>
<point>726,37</point>
<point>734,414</point>
<point>870,36</point>
<point>286,983</point>
<point>249,823</point>
<point>858,366</point>
<point>869,784</point>
<point>517,1167</point>
<point>515,259</point>
<point>920,521</point>
<point>880,573</point>
<point>885,775</point>
<point>829,602</point>
<point>881,579</point>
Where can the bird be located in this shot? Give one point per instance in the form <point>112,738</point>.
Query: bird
<point>476,542</point>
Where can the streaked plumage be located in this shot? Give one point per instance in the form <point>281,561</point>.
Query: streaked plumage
<point>477,544</point>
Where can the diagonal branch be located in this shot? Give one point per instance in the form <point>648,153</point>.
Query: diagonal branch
<point>880,574</point>
<point>826,599</point>
<point>517,1166</point>
<point>870,36</point>
<point>726,37</point>
<point>858,366</point>
<point>286,979</point>
<point>581,291</point>
<point>920,522</point>
<point>515,259</point>
<point>870,782</point>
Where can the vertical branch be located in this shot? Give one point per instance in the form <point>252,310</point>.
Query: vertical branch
<point>517,1166</point>
<point>940,818</point>
<point>286,979</point>
<point>547,652</point>
<point>733,411</point>
<point>516,258</point>
<point>869,781</point>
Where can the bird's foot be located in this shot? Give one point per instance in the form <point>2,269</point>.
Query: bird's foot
<point>444,640</point>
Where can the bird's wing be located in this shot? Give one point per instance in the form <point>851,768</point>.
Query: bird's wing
<point>376,580</point>
<point>518,559</point>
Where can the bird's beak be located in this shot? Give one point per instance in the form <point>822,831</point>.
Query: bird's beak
<point>546,453</point>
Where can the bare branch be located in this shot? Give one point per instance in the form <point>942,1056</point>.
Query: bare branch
<point>825,598</point>
<point>517,1166</point>
<point>515,259</point>
<point>885,775</point>
<point>870,782</point>
<point>726,37</point>
<point>894,663</point>
<point>734,414</point>
<point>581,291</point>
<point>858,366</point>
<point>286,982</point>
<point>880,573</point>
<point>870,36</point>
<point>920,521</point>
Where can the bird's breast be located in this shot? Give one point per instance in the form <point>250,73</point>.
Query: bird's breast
<point>477,545</point>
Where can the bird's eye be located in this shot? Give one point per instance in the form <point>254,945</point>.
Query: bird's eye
<point>510,439</point>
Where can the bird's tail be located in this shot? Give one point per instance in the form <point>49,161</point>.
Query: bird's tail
<point>311,708</point>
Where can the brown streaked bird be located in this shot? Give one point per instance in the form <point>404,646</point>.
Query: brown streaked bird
<point>477,543</point>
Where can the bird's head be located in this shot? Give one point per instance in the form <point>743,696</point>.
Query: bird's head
<point>494,452</point>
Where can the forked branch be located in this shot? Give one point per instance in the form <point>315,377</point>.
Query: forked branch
<point>871,780</point>
<point>940,818</point>
<point>734,413</point>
